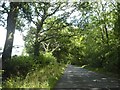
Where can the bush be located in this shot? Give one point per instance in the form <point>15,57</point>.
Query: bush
<point>46,58</point>
<point>19,65</point>
<point>49,58</point>
<point>42,77</point>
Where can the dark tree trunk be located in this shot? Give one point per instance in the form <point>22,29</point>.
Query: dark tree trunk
<point>37,43</point>
<point>36,47</point>
<point>107,36</point>
<point>11,21</point>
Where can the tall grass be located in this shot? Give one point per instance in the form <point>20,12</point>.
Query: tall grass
<point>41,77</point>
<point>25,72</point>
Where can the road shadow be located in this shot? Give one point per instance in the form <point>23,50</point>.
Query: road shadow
<point>82,79</point>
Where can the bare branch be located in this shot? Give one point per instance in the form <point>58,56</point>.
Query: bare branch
<point>43,46</point>
<point>55,48</point>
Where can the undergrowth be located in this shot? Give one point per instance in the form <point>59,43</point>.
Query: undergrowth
<point>41,77</point>
<point>102,71</point>
<point>26,72</point>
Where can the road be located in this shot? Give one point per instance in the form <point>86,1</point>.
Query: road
<point>82,79</point>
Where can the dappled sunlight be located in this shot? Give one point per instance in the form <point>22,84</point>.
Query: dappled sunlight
<point>41,77</point>
<point>76,77</point>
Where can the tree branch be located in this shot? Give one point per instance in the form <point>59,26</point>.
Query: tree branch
<point>55,48</point>
<point>53,11</point>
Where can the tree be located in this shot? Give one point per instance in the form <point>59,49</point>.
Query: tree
<point>49,33</point>
<point>17,13</point>
<point>13,10</point>
<point>11,23</point>
<point>117,32</point>
<point>43,11</point>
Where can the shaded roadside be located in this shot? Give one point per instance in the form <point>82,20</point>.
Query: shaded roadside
<point>76,77</point>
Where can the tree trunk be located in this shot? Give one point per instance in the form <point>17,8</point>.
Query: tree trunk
<point>37,43</point>
<point>11,22</point>
<point>106,33</point>
<point>36,47</point>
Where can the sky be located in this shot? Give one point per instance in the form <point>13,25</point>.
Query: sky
<point>18,41</point>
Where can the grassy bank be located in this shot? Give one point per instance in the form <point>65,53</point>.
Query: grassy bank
<point>41,77</point>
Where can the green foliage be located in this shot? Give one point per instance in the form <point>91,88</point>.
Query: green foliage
<point>100,54</point>
<point>19,65</point>
<point>95,42</point>
<point>49,58</point>
<point>29,41</point>
<point>46,59</point>
<point>42,77</point>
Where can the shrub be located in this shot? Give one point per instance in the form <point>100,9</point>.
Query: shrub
<point>19,65</point>
<point>49,58</point>
<point>42,77</point>
<point>46,58</point>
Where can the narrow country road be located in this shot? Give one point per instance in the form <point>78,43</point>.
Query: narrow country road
<point>82,79</point>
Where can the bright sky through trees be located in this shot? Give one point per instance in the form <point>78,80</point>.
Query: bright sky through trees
<point>18,41</point>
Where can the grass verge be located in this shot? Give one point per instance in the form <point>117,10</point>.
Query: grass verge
<point>41,77</point>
